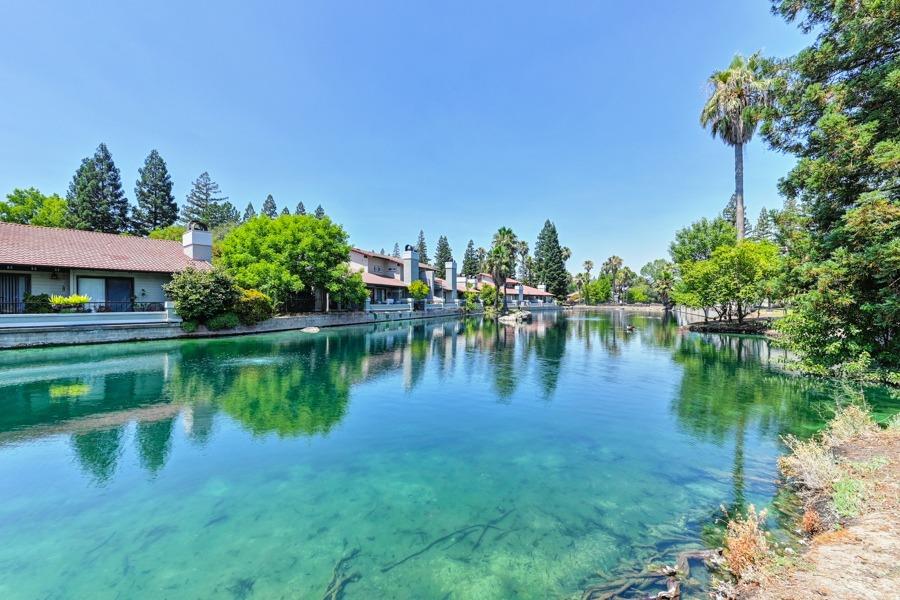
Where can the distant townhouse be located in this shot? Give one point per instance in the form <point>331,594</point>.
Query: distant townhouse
<point>516,291</point>
<point>388,277</point>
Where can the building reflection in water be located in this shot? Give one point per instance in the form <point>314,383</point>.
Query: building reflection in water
<point>294,384</point>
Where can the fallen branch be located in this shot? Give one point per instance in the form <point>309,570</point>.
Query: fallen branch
<point>339,579</point>
<point>463,531</point>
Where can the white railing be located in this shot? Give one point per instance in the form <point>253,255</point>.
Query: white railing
<point>81,319</point>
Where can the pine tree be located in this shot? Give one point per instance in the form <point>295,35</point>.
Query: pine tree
<point>156,207</point>
<point>203,203</point>
<point>382,251</point>
<point>285,211</point>
<point>96,199</point>
<point>111,190</point>
<point>549,262</point>
<point>442,254</point>
<point>249,212</point>
<point>481,257</point>
<point>729,213</point>
<point>320,212</point>
<point>422,247</point>
<point>85,211</point>
<point>268,208</point>
<point>470,261</point>
<point>219,214</point>
<point>301,210</point>
<point>396,252</point>
<point>765,225</point>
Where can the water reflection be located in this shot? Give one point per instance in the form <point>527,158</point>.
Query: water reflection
<point>295,384</point>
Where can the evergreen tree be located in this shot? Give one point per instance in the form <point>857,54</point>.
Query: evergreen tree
<point>442,254</point>
<point>470,261</point>
<point>156,207</point>
<point>204,204</point>
<point>249,212</point>
<point>481,257</point>
<point>223,213</point>
<point>396,252</point>
<point>285,211</point>
<point>549,262</point>
<point>301,210</point>
<point>268,208</point>
<point>729,213</point>
<point>95,196</point>
<point>320,212</point>
<point>765,225</point>
<point>382,251</point>
<point>422,247</point>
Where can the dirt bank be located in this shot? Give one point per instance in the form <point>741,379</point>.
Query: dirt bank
<point>857,557</point>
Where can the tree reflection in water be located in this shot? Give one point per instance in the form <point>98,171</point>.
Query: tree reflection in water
<point>295,384</point>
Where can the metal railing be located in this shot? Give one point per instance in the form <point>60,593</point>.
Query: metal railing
<point>21,307</point>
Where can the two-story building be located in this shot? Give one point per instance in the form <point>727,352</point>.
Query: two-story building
<point>388,277</point>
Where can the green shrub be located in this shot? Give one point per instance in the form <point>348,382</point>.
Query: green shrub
<point>37,303</point>
<point>189,326</point>
<point>418,290</point>
<point>488,295</point>
<point>201,295</point>
<point>227,320</point>
<point>253,306</point>
<point>848,496</point>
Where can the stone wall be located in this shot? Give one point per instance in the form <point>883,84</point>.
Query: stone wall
<point>59,336</point>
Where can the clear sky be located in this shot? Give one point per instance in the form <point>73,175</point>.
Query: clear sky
<point>452,117</point>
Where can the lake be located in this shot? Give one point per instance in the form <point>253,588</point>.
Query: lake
<point>438,459</point>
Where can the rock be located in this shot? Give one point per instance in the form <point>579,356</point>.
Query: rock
<point>310,330</point>
<point>519,316</point>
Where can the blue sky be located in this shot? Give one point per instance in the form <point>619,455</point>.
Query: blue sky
<point>452,117</point>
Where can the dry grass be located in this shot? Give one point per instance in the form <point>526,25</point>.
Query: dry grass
<point>849,480</point>
<point>811,523</point>
<point>849,422</point>
<point>810,466</point>
<point>747,552</point>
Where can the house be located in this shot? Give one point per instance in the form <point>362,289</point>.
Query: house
<point>516,292</point>
<point>120,274</point>
<point>388,277</point>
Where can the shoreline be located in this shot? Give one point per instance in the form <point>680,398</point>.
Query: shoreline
<point>848,481</point>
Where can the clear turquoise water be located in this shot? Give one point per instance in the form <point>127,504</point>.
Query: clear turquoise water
<point>461,460</point>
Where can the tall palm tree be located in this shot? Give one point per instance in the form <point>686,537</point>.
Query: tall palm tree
<point>581,280</point>
<point>501,260</point>
<point>738,95</point>
<point>588,267</point>
<point>611,267</point>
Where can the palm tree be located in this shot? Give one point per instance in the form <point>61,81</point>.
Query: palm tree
<point>566,253</point>
<point>581,280</point>
<point>501,260</point>
<point>588,267</point>
<point>611,267</point>
<point>738,96</point>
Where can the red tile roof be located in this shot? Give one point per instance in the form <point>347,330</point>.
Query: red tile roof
<point>378,255</point>
<point>28,245</point>
<point>372,279</point>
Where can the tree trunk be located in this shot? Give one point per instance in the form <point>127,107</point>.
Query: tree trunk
<point>739,190</point>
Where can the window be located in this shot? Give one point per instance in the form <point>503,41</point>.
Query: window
<point>13,288</point>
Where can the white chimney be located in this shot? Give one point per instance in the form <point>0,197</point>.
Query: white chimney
<point>197,243</point>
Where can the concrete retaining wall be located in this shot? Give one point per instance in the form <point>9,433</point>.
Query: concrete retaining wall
<point>60,336</point>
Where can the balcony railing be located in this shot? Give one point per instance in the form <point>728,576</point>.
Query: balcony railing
<point>19,308</point>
